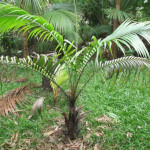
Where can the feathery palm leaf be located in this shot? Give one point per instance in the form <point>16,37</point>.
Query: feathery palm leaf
<point>32,6</point>
<point>95,31</point>
<point>122,68</point>
<point>12,17</point>
<point>65,6</point>
<point>127,34</point>
<point>62,20</point>
<point>122,64</point>
<point>117,14</point>
<point>39,63</point>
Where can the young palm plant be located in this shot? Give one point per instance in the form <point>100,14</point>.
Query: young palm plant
<point>76,61</point>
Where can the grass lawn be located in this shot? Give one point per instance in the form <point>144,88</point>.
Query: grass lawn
<point>116,118</point>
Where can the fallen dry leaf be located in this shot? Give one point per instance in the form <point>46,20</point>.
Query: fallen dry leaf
<point>86,123</point>
<point>14,139</point>
<point>106,127</point>
<point>60,146</point>
<point>104,119</point>
<point>88,129</point>
<point>96,147</point>
<point>49,133</point>
<point>97,134</point>
<point>9,100</point>
<point>81,146</point>
<point>129,135</point>
<point>20,79</point>
<point>139,127</point>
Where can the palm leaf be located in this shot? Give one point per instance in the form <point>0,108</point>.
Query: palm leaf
<point>62,20</point>
<point>15,18</point>
<point>95,31</point>
<point>124,63</point>
<point>127,34</point>
<point>8,101</point>
<point>121,68</point>
<point>32,6</point>
<point>39,63</point>
<point>117,14</point>
<point>65,6</point>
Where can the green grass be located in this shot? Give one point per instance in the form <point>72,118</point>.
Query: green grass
<point>129,108</point>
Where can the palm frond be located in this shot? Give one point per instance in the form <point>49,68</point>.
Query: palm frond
<point>95,31</point>
<point>117,14</point>
<point>65,6</point>
<point>118,69</point>
<point>32,6</point>
<point>123,66</point>
<point>62,20</point>
<point>72,36</point>
<point>37,63</point>
<point>12,17</point>
<point>124,63</point>
<point>46,66</point>
<point>8,101</point>
<point>129,34</point>
<point>126,5</point>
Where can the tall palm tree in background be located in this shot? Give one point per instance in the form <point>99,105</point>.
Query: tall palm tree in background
<point>76,64</point>
<point>105,16</point>
<point>118,12</point>
<point>116,24</point>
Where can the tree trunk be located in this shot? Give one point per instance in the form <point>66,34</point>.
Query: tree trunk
<point>116,24</point>
<point>46,84</point>
<point>25,37</point>
<point>45,81</point>
<point>73,121</point>
<point>25,45</point>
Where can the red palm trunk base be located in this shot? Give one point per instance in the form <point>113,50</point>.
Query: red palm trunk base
<point>72,122</point>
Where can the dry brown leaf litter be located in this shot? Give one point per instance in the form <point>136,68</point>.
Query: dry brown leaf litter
<point>9,100</point>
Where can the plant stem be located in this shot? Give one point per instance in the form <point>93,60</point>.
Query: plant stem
<point>73,120</point>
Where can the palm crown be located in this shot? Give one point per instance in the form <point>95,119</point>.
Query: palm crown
<point>127,35</point>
